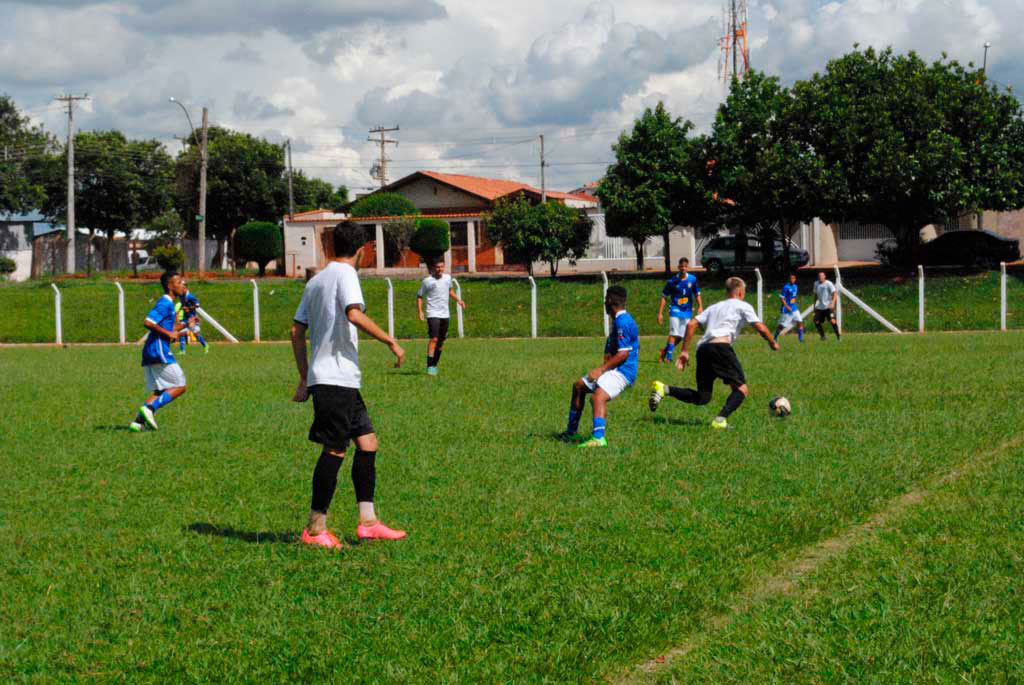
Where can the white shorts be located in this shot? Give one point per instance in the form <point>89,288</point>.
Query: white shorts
<point>612,382</point>
<point>791,318</point>
<point>194,328</point>
<point>160,377</point>
<point>677,326</point>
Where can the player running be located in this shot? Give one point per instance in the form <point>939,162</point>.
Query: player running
<point>607,381</point>
<point>826,295</point>
<point>716,357</point>
<point>791,315</point>
<point>190,321</point>
<point>681,290</point>
<point>436,288</point>
<point>332,309</point>
<point>164,378</point>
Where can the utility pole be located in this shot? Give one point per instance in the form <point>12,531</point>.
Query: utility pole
<point>202,193</point>
<point>984,71</point>
<point>732,32</point>
<point>70,100</point>
<point>383,142</point>
<point>543,185</point>
<point>291,196</point>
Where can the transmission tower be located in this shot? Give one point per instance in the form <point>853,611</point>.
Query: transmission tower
<point>735,58</point>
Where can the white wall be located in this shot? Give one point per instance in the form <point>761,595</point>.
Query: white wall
<point>427,193</point>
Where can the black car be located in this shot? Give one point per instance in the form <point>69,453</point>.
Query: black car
<point>970,248</point>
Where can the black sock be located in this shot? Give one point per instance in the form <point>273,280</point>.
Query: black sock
<point>437,356</point>
<point>364,475</point>
<point>325,481</point>
<point>732,403</point>
<point>821,330</point>
<point>836,329</point>
<point>430,360</point>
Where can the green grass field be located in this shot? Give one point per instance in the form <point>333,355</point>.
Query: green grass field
<point>497,307</point>
<point>172,555</point>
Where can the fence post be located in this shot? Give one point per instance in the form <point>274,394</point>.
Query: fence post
<point>920,299</point>
<point>839,300</point>
<point>391,308</point>
<point>458,309</point>
<point>56,305</point>
<point>120,312</point>
<point>255,310</point>
<point>533,307</point>
<point>604,314</point>
<point>1002,296</point>
<point>760,294</point>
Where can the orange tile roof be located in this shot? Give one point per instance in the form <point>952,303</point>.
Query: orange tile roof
<point>494,188</point>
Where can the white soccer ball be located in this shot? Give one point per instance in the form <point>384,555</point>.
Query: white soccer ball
<point>779,406</point>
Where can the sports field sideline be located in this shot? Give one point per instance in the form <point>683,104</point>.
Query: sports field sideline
<point>743,554</point>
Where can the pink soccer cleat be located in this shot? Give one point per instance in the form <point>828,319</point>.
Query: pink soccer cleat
<point>378,531</point>
<point>324,539</point>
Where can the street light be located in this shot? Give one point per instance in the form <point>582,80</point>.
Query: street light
<point>201,216</point>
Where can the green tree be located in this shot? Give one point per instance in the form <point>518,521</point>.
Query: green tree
<point>169,257</point>
<point>513,224</point>
<point>648,190</point>
<point>432,238</point>
<point>548,232</point>
<point>260,242</point>
<point>23,151</point>
<point>398,234</point>
<point>383,204</point>
<point>119,184</point>
<point>316,193</point>
<point>905,143</point>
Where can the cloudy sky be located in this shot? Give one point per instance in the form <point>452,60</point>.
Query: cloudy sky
<point>471,83</point>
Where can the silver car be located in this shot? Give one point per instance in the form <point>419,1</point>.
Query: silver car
<point>720,254</point>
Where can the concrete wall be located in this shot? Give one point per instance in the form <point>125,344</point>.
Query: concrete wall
<point>427,194</point>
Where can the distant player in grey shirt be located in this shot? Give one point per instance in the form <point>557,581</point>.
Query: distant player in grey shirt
<point>436,288</point>
<point>825,296</point>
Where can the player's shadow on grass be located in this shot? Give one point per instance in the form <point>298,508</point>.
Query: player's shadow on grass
<point>110,428</point>
<point>662,420</point>
<point>245,535</point>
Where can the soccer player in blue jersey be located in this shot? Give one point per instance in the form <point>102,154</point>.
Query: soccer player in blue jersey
<point>791,315</point>
<point>190,321</point>
<point>164,378</point>
<point>681,291</point>
<point>606,382</point>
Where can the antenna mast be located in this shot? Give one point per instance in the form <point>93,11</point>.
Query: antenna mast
<point>735,58</point>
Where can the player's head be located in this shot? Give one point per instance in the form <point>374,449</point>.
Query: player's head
<point>821,277</point>
<point>735,287</point>
<point>615,299</point>
<point>684,264</point>
<point>436,265</point>
<point>792,279</point>
<point>172,283</point>
<point>349,239</point>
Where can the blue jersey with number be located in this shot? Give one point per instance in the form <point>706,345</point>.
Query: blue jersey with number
<point>789,298</point>
<point>681,293</point>
<point>157,349</point>
<point>189,304</point>
<point>624,336</point>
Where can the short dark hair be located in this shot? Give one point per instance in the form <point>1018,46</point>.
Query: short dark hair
<point>165,279</point>
<point>617,295</point>
<point>348,238</point>
<point>684,260</point>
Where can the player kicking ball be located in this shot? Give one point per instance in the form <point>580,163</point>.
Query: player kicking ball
<point>164,378</point>
<point>681,291</point>
<point>790,315</point>
<point>606,382</point>
<point>436,288</point>
<point>716,357</point>
<point>332,309</point>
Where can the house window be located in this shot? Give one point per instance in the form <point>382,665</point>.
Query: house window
<point>458,232</point>
<point>435,190</point>
<point>303,240</point>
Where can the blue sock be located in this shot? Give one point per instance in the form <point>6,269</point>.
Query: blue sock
<point>574,421</point>
<point>162,401</point>
<point>669,350</point>
<point>181,344</point>
<point>202,341</point>
<point>800,334</point>
<point>598,428</point>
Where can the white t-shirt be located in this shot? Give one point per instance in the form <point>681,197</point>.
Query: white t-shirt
<point>726,319</point>
<point>823,292</point>
<point>335,340</point>
<point>436,292</point>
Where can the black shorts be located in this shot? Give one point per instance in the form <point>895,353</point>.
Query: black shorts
<point>717,360</point>
<point>339,415</point>
<point>438,328</point>
<point>823,315</point>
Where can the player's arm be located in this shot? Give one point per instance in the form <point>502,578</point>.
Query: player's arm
<point>700,303</point>
<point>301,363</point>
<point>766,334</point>
<point>611,361</point>
<point>360,320</point>
<point>452,294</point>
<point>684,350</point>
<point>159,330</point>
<point>661,309</point>
<point>835,298</point>
<point>419,306</point>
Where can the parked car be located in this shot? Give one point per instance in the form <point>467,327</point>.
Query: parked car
<point>720,254</point>
<point>982,249</point>
<point>147,262</point>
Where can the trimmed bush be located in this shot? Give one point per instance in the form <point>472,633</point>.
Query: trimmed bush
<point>169,257</point>
<point>7,266</point>
<point>431,239</point>
<point>383,204</point>
<point>260,242</point>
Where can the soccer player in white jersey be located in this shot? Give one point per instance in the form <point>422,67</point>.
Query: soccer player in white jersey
<point>825,297</point>
<point>332,309</point>
<point>436,288</point>
<point>716,358</point>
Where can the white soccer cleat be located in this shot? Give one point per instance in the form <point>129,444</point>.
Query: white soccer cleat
<point>147,414</point>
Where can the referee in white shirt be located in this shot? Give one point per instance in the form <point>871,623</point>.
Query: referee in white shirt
<point>436,288</point>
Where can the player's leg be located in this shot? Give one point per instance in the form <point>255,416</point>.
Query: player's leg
<point>834,321</point>
<point>167,383</point>
<point>579,391</point>
<point>800,331</point>
<point>610,385</point>
<point>778,330</point>
<point>705,384</point>
<point>727,367</point>
<point>433,327</point>
<point>364,475</point>
<point>819,319</point>
<point>676,331</point>
<point>196,330</point>
<point>442,335</point>
<point>330,429</point>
